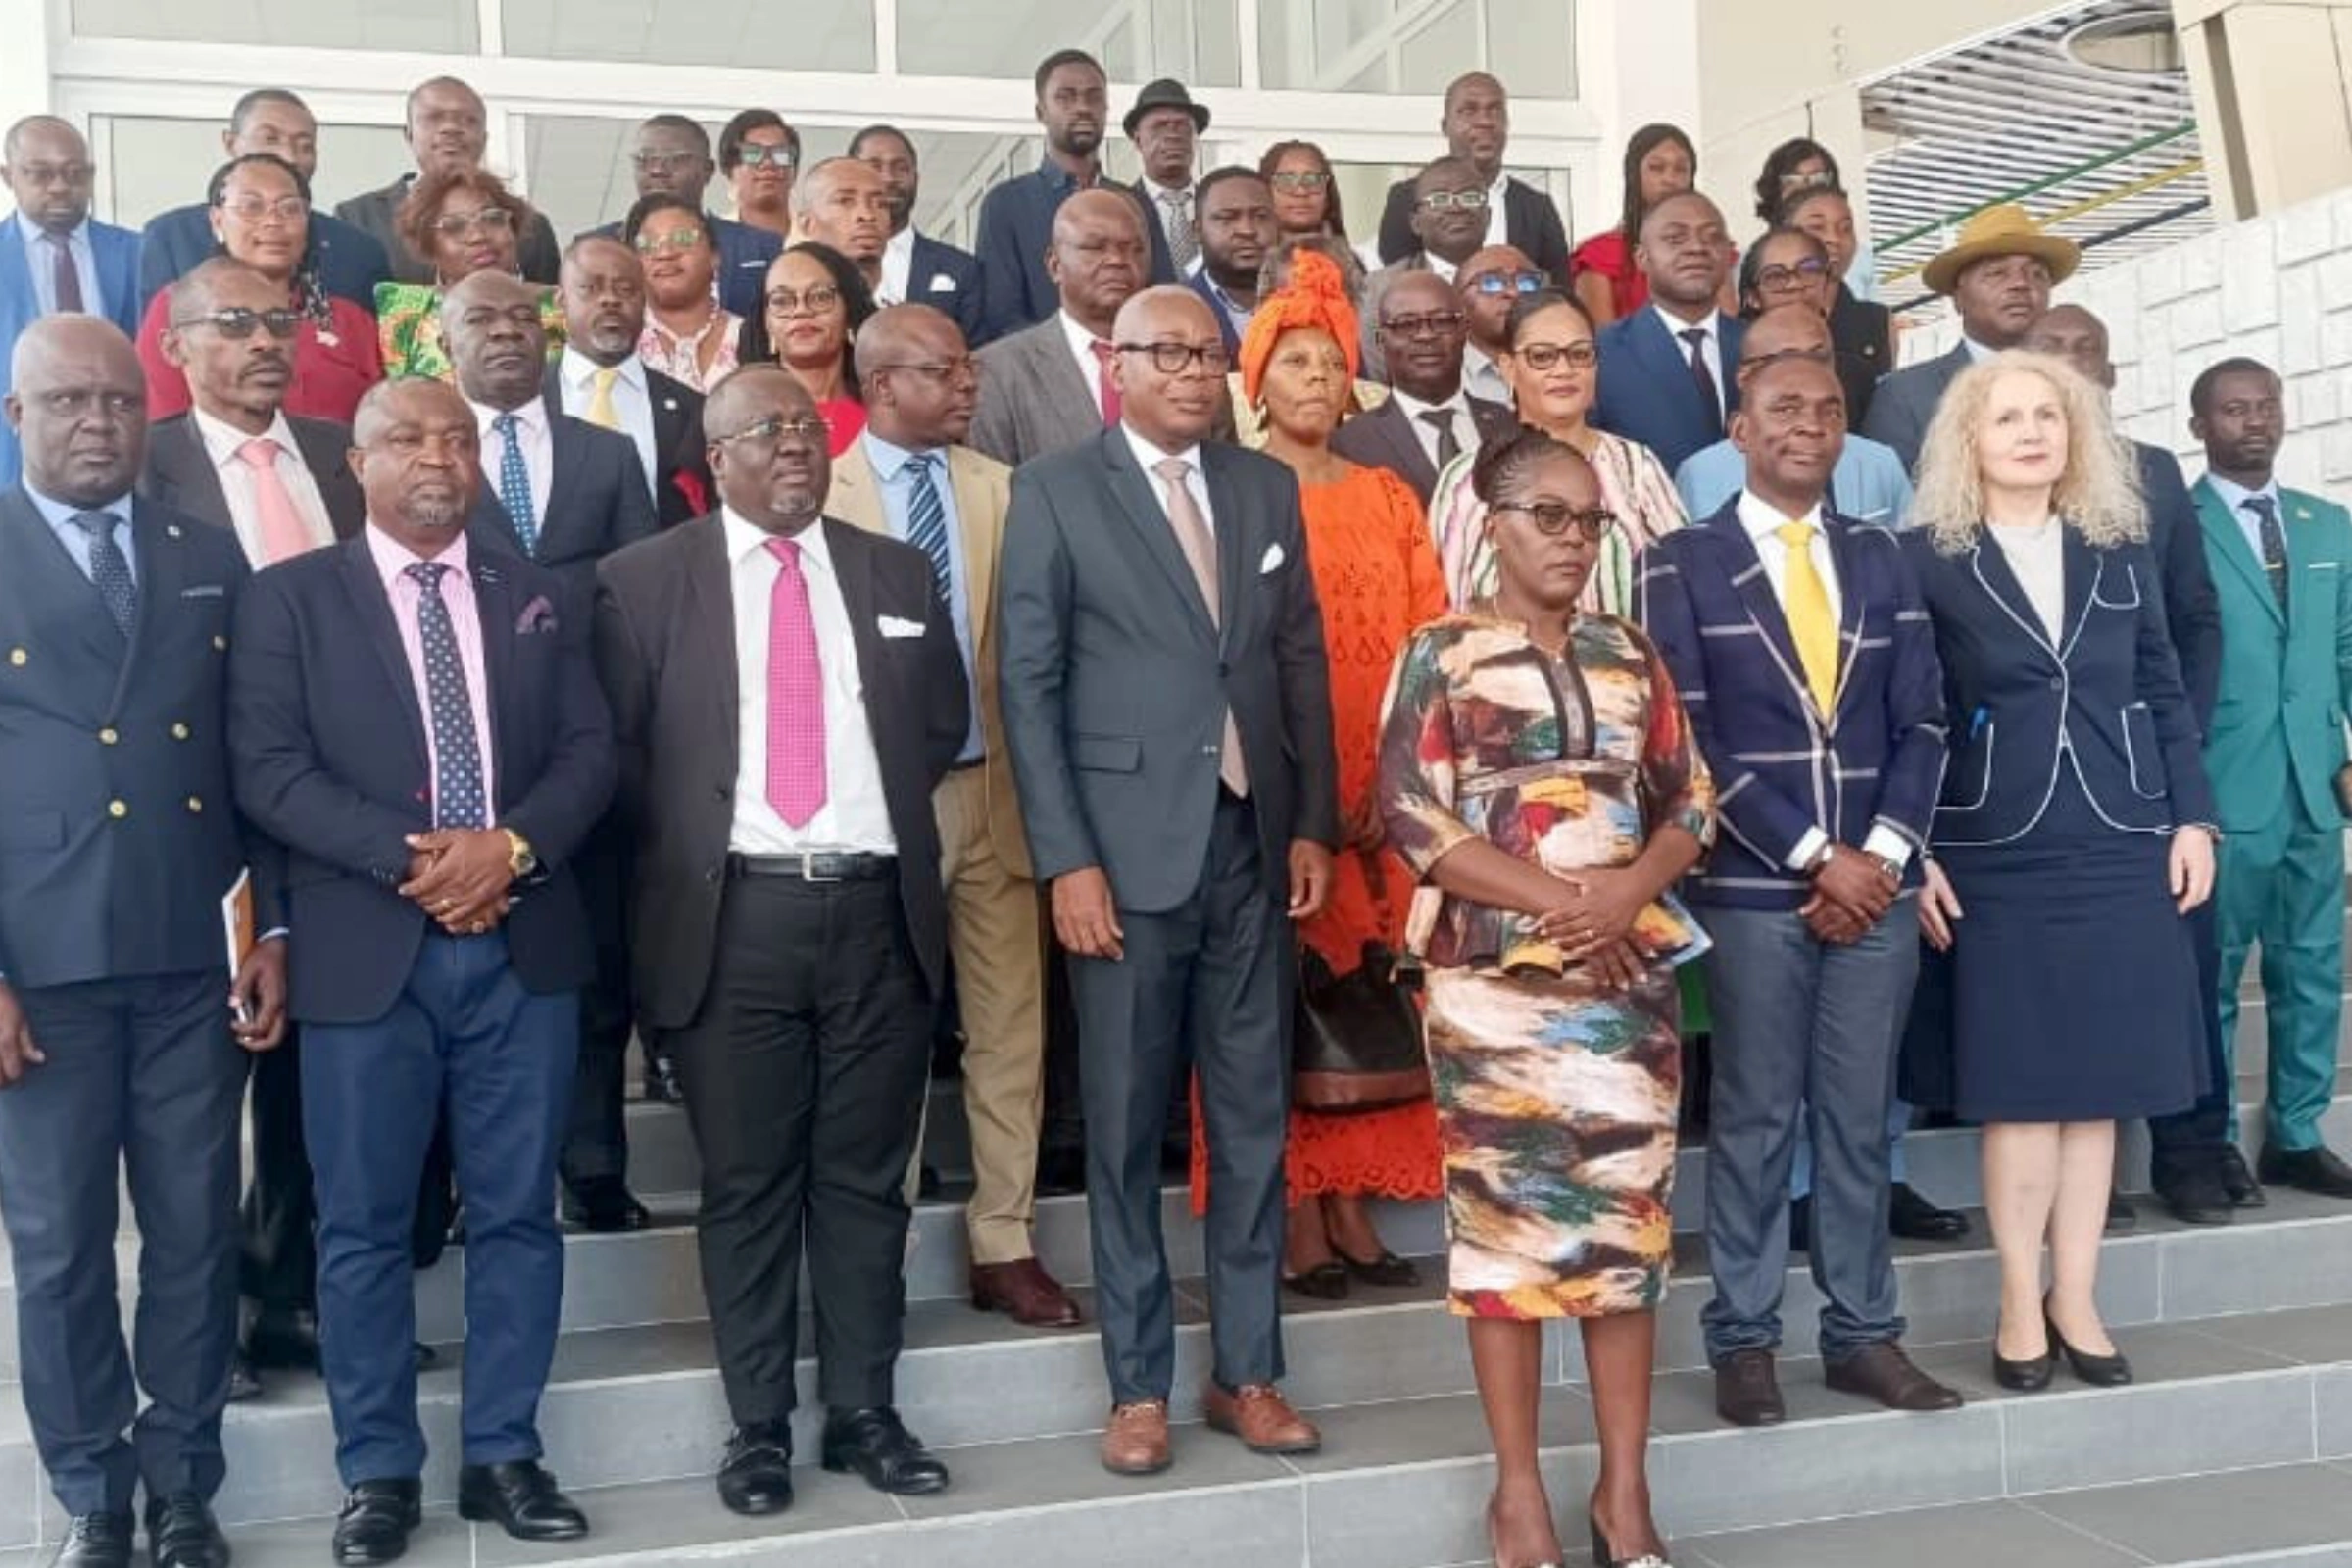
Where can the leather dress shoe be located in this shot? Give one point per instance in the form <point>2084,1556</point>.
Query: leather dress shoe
<point>181,1533</point>
<point>755,1476</point>
<point>1747,1390</point>
<point>604,1204</point>
<point>1325,1282</point>
<point>244,1382</point>
<point>1883,1372</point>
<point>2317,1169</point>
<point>1258,1415</point>
<point>1136,1442</point>
<point>285,1337</point>
<point>1024,1291</point>
<point>96,1541</point>
<point>1388,1270</point>
<point>377,1518</point>
<point>1915,1219</point>
<point>876,1444</point>
<point>2237,1180</point>
<point>522,1498</point>
<point>1060,1171</point>
<point>2195,1195</point>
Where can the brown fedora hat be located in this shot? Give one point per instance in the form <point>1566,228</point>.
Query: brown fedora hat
<point>2006,229</point>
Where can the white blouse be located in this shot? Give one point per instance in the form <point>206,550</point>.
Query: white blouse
<point>2038,558</point>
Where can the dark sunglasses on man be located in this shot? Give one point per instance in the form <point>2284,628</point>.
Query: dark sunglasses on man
<point>236,322</point>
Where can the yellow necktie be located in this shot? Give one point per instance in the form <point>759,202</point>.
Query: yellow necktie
<point>600,411</point>
<point>1805,601</point>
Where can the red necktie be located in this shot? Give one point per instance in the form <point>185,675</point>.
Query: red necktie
<point>69,275</point>
<point>1106,389</point>
<point>796,695</point>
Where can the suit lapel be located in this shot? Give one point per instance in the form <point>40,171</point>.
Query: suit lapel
<point>374,608</point>
<point>977,537</point>
<point>563,445</point>
<point>854,564</point>
<point>856,496</point>
<point>1059,381</point>
<point>1842,561</point>
<point>495,609</point>
<point>162,574</point>
<point>1233,562</point>
<point>1991,568</point>
<point>2294,523</point>
<point>708,634</point>
<point>2224,537</point>
<point>1140,504</point>
<point>2083,568</point>
<point>187,479</point>
<point>1748,579</point>
<point>53,573</point>
<point>1394,427</point>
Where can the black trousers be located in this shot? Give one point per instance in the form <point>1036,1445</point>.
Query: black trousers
<point>2197,1135</point>
<point>804,1075</point>
<point>595,1145</point>
<point>279,1268</point>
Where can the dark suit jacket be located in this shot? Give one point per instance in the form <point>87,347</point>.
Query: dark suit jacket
<point>1227,327</point>
<point>940,275</point>
<point>1017,225</point>
<point>1156,234</point>
<point>1382,438</point>
<point>179,472</point>
<point>666,647</point>
<point>2193,605</point>
<point>744,252</point>
<point>1033,400</point>
<point>1782,766</point>
<point>597,502</point>
<point>1905,401</point>
<point>327,733</point>
<point>351,262</point>
<point>1531,222</point>
<point>535,247</point>
<point>119,831</point>
<point>2018,702</point>
<point>1859,332</point>
<point>1647,393</point>
<point>682,484</point>
<point>114,255</point>
<point>1114,682</point>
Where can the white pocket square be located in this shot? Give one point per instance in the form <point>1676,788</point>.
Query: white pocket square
<point>893,626</point>
<point>1272,559</point>
<point>942,283</point>
<point>2324,565</point>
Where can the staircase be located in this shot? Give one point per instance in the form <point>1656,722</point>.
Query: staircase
<point>2234,1447</point>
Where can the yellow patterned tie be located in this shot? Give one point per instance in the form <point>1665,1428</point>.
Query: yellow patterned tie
<point>600,411</point>
<point>1812,626</point>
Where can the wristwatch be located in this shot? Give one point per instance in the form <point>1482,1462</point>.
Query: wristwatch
<point>521,858</point>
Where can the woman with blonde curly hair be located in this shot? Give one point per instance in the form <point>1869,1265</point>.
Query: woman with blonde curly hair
<point>2073,835</point>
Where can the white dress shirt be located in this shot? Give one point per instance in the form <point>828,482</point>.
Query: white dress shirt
<point>1442,266</point>
<point>221,444</point>
<point>538,453</point>
<point>1710,349</point>
<point>1482,378</point>
<point>1081,350</point>
<point>1763,524</point>
<point>2234,496</point>
<point>632,400</point>
<point>1499,216</point>
<point>41,258</point>
<point>2036,557</point>
<point>1466,428</point>
<point>897,264</point>
<point>856,816</point>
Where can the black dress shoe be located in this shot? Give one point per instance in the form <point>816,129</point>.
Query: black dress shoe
<point>1060,1171</point>
<point>181,1533</point>
<point>2024,1377</point>
<point>521,1497</point>
<point>1388,1270</point>
<point>426,1357</point>
<point>876,1444</point>
<point>2237,1180</point>
<point>756,1477</point>
<point>2195,1195</point>
<point>2099,1371</point>
<point>2317,1169</point>
<point>1800,1224</point>
<point>1915,1219</point>
<point>285,1337</point>
<point>96,1541</point>
<point>1747,1391</point>
<point>244,1383</point>
<point>1325,1282</point>
<point>604,1204</point>
<point>375,1521</point>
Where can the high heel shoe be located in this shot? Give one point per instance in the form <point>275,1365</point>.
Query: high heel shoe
<point>2099,1371</point>
<point>1603,1557</point>
<point>2022,1377</point>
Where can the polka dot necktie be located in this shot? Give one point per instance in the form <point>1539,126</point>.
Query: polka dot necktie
<point>515,483</point>
<point>109,569</point>
<point>457,800</point>
<point>2274,542</point>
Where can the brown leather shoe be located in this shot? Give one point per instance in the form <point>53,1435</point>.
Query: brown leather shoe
<point>1026,1293</point>
<point>1258,1415</point>
<point>1883,1372</point>
<point>1747,1391</point>
<point>1136,1442</point>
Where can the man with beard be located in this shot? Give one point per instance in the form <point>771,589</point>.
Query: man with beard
<point>1235,228</point>
<point>1667,373</point>
<point>1477,124</point>
<point>671,157</point>
<point>841,201</point>
<point>602,381</point>
<point>446,130</point>
<point>1449,219</point>
<point>917,269</point>
<point>417,722</point>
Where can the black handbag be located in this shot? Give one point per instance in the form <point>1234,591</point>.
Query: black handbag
<point>1356,1038</point>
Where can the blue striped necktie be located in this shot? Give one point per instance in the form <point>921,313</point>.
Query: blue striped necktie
<point>515,483</point>
<point>927,521</point>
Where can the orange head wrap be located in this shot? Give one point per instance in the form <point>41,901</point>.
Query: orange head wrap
<point>1315,296</point>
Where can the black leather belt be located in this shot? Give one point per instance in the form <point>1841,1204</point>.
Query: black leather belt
<point>818,865</point>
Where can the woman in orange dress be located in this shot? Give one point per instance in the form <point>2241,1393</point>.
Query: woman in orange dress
<point>1378,578</point>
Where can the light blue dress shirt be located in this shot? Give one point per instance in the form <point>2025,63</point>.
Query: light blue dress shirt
<point>60,515</point>
<point>2234,496</point>
<point>1868,485</point>
<point>40,258</point>
<point>898,502</point>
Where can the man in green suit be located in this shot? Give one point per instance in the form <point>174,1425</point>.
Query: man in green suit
<point>2282,561</point>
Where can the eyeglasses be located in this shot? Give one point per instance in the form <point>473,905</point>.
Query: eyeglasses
<point>1509,282</point>
<point>253,209</point>
<point>815,299</point>
<point>962,368</point>
<point>775,430</point>
<point>665,162</point>
<point>1430,323</point>
<point>489,220</point>
<point>1539,357</point>
<point>57,174</point>
<point>650,243</point>
<point>1554,518</point>
<point>1465,201</point>
<point>765,155</point>
<point>236,322</point>
<point>1781,275</point>
<point>1300,181</point>
<point>1173,358</point>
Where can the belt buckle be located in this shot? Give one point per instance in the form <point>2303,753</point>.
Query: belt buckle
<point>809,868</point>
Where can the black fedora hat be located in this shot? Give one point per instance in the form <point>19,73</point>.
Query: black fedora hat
<point>1165,94</point>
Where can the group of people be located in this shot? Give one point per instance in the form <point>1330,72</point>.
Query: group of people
<point>744,635</point>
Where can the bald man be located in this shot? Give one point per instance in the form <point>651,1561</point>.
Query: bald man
<point>1666,371</point>
<point>1161,673</point>
<point>54,256</point>
<point>1049,386</point>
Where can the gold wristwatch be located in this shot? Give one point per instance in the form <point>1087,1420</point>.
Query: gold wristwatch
<point>521,858</point>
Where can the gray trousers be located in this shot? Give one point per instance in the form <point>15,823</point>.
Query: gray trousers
<point>1206,984</point>
<point>1803,1031</point>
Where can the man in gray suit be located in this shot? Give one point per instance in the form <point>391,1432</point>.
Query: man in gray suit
<point>1049,386</point>
<point>1166,703</point>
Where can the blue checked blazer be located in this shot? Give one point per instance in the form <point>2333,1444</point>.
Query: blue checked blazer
<point>1780,765</point>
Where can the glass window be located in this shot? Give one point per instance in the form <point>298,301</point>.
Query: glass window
<point>1407,46</point>
<point>1196,42</point>
<point>437,27</point>
<point>837,35</point>
<point>153,165</point>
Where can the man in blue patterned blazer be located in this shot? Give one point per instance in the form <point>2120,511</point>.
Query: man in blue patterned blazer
<point>1801,650</point>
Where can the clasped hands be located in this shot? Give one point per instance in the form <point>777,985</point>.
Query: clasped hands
<point>1851,895</point>
<point>1593,926</point>
<point>462,877</point>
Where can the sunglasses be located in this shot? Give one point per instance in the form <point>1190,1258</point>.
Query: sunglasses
<point>1300,181</point>
<point>759,155</point>
<point>489,220</point>
<point>1509,282</point>
<point>236,322</point>
<point>650,243</point>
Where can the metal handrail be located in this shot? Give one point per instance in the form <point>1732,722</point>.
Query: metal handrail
<point>2137,187</point>
<point>2186,127</point>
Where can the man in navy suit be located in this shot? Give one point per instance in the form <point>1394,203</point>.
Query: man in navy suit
<point>54,256</point>
<point>417,721</point>
<point>1234,227</point>
<point>917,269</point>
<point>1809,670</point>
<point>1666,375</point>
<point>601,379</point>
<point>671,157</point>
<point>119,1048</point>
<point>350,261</point>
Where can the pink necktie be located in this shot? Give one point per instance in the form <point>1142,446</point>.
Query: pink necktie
<point>796,695</point>
<point>281,526</point>
<point>1106,390</point>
